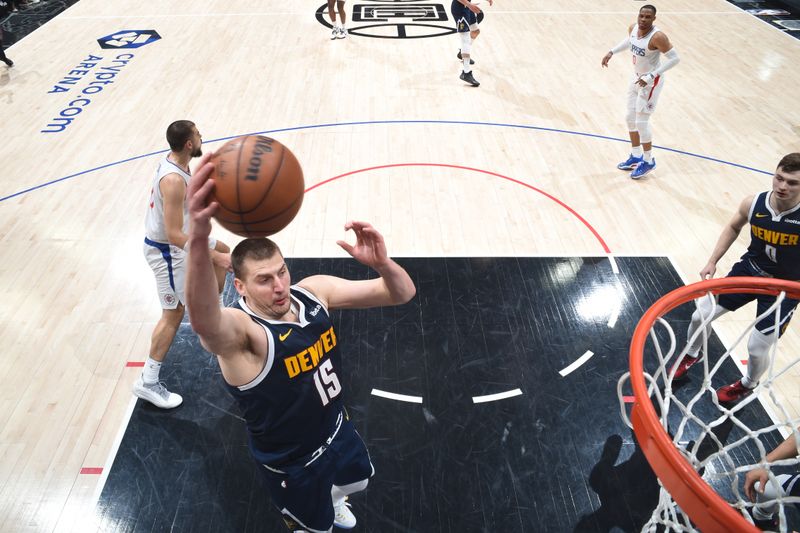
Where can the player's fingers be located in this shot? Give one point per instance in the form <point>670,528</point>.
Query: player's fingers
<point>202,174</point>
<point>206,189</point>
<point>357,224</point>
<point>346,247</point>
<point>209,210</point>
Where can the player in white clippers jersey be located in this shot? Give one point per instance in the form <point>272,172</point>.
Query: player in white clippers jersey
<point>166,236</point>
<point>646,42</point>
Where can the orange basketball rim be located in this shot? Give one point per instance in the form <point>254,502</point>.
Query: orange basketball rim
<point>695,497</point>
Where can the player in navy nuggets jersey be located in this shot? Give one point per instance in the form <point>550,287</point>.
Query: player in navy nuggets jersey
<point>467,16</point>
<point>774,251</point>
<point>279,355</point>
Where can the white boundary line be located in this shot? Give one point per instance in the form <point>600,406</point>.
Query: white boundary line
<point>614,267</point>
<point>576,363</point>
<point>498,396</point>
<point>395,396</point>
<point>112,454</point>
<point>612,320</point>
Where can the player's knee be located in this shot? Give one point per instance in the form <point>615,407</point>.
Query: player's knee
<point>643,127</point>
<point>172,318</point>
<point>473,34</point>
<point>466,43</point>
<point>707,310</point>
<point>630,120</point>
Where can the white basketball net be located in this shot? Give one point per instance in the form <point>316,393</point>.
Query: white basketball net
<point>684,414</point>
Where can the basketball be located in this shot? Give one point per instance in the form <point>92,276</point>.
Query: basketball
<point>258,184</point>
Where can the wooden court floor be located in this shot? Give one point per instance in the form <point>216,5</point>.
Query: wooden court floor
<point>386,132</point>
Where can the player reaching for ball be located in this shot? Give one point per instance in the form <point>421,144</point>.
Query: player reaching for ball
<point>279,356</point>
<point>166,228</point>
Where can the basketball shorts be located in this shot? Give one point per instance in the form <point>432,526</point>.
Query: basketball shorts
<point>465,19</point>
<point>791,486</point>
<point>167,263</point>
<point>766,325</point>
<point>302,491</point>
<point>644,99</point>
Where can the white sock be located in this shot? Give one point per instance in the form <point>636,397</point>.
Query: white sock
<point>648,156</point>
<point>151,370</point>
<point>747,382</point>
<point>467,68</point>
<point>636,151</point>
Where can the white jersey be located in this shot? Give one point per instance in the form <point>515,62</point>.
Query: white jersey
<point>154,228</point>
<point>644,59</point>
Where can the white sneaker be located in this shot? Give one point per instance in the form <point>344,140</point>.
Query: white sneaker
<point>334,33</point>
<point>157,394</point>
<point>342,33</point>
<point>343,517</point>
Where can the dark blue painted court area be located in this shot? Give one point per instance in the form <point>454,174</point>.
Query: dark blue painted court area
<point>556,458</point>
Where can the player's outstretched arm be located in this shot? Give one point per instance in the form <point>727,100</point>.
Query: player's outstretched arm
<point>221,330</point>
<point>624,44</point>
<point>728,236</point>
<point>393,287</point>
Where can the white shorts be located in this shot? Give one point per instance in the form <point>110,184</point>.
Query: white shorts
<point>644,99</point>
<point>167,262</point>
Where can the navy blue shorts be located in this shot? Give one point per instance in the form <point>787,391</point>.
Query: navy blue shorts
<point>766,325</point>
<point>463,16</point>
<point>303,493</point>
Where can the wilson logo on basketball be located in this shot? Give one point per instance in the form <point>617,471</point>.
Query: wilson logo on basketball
<point>262,146</point>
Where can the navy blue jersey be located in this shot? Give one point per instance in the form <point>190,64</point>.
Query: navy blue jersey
<point>292,406</point>
<point>774,248</point>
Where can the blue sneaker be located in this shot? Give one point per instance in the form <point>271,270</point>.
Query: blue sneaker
<point>630,163</point>
<point>643,168</point>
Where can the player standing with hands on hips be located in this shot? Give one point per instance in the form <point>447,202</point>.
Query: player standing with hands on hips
<point>646,42</point>
<point>280,360</point>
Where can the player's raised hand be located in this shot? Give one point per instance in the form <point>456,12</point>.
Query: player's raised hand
<point>370,248</point>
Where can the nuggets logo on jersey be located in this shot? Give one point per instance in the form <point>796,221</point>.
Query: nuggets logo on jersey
<point>310,358</point>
